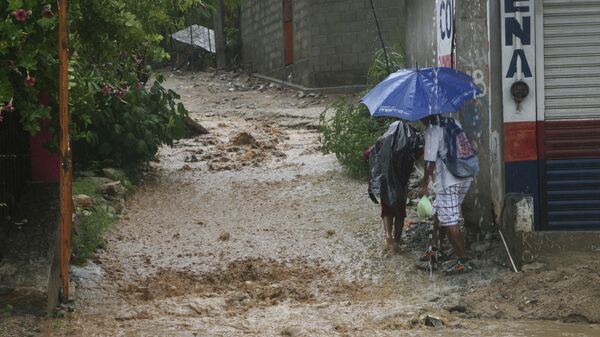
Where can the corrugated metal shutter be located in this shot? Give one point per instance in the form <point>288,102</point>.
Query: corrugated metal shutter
<point>571,174</point>
<point>571,59</point>
<point>570,171</point>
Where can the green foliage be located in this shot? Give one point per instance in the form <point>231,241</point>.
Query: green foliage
<point>90,226</point>
<point>379,71</point>
<point>28,59</point>
<point>89,230</point>
<point>347,128</point>
<point>88,233</point>
<point>126,132</point>
<point>7,311</point>
<point>110,41</point>
<point>348,133</point>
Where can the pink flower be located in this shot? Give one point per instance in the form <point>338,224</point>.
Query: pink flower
<point>21,15</point>
<point>30,81</point>
<point>47,12</point>
<point>8,107</point>
<point>107,90</point>
<point>139,85</point>
<point>121,93</point>
<point>138,60</point>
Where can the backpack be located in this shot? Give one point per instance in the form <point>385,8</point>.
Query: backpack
<point>461,159</point>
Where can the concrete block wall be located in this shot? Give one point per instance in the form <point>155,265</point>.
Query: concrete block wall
<point>345,38</point>
<point>334,40</point>
<point>262,35</point>
<point>300,71</point>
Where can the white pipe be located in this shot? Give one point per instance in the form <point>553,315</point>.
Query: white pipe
<point>508,251</point>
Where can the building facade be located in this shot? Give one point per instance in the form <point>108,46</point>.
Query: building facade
<point>537,122</point>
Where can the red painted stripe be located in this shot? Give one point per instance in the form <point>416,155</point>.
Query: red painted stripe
<point>520,141</point>
<point>445,61</point>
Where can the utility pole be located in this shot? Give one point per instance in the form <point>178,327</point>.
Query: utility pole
<point>219,17</point>
<point>66,170</point>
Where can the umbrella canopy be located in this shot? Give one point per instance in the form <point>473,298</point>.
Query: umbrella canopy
<point>417,93</point>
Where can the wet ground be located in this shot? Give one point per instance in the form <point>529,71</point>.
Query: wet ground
<point>251,231</point>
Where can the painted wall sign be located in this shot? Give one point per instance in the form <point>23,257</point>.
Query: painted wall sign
<point>518,58</point>
<point>445,13</point>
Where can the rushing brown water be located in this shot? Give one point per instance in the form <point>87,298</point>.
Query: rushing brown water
<point>264,236</point>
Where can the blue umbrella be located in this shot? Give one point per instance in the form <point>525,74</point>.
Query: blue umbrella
<point>415,94</point>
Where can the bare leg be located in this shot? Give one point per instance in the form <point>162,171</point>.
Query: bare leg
<point>457,240</point>
<point>442,236</point>
<point>388,225</point>
<point>435,236</point>
<point>398,226</point>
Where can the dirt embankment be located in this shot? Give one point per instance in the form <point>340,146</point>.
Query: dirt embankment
<point>569,293</point>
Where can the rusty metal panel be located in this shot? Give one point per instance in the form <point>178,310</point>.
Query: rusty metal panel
<point>287,10</point>
<point>572,139</point>
<point>289,43</point>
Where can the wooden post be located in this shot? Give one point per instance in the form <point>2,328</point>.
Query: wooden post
<point>220,35</point>
<point>66,172</point>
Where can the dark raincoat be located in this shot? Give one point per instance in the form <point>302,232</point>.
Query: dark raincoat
<point>391,162</point>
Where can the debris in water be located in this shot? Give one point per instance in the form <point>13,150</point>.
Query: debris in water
<point>432,321</point>
<point>243,138</point>
<point>329,233</point>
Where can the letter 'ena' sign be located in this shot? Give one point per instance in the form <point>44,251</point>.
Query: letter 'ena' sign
<point>518,58</point>
<point>517,33</point>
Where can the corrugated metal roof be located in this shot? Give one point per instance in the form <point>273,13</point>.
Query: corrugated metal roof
<point>197,36</point>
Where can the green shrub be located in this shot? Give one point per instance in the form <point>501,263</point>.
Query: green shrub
<point>126,132</point>
<point>347,128</point>
<point>348,133</point>
<point>378,70</point>
<point>89,228</point>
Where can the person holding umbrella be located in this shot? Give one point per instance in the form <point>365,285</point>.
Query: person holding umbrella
<point>424,94</point>
<point>450,192</point>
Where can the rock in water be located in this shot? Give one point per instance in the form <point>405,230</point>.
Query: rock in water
<point>432,321</point>
<point>194,127</point>
<point>243,138</point>
<point>83,201</point>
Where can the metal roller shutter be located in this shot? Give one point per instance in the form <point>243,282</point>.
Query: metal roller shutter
<point>570,169</point>
<point>571,59</point>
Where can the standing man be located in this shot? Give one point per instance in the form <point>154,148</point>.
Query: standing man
<point>450,192</point>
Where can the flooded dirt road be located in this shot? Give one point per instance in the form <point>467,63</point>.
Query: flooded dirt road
<point>251,231</point>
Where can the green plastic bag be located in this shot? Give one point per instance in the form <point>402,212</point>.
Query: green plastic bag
<point>424,208</point>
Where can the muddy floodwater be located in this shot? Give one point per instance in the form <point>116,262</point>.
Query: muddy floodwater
<point>252,231</point>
